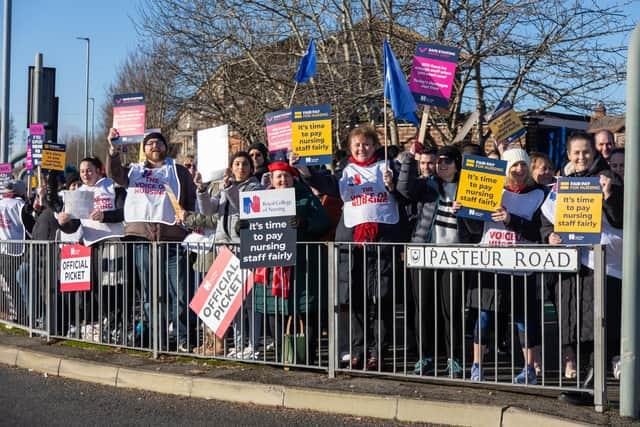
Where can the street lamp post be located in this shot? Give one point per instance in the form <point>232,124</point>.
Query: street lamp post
<point>93,121</point>
<point>86,104</point>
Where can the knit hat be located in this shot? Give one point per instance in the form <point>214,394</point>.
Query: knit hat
<point>17,187</point>
<point>260,147</point>
<point>515,155</point>
<point>450,152</point>
<point>70,178</point>
<point>155,135</point>
<point>282,166</point>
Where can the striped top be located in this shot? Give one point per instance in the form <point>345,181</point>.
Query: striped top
<point>445,228</point>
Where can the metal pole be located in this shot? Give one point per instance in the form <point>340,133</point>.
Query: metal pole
<point>630,341</point>
<point>93,122</point>
<point>86,100</point>
<point>36,84</point>
<point>6,81</point>
<point>600,316</point>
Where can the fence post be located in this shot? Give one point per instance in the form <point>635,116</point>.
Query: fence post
<point>332,307</point>
<point>630,339</point>
<point>49,275</point>
<point>29,278</point>
<point>599,331</point>
<point>154,287</point>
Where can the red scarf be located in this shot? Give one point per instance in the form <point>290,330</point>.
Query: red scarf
<point>516,188</point>
<point>280,281</point>
<point>368,231</point>
<point>369,162</point>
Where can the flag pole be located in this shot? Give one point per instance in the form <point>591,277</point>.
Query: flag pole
<point>293,94</point>
<point>384,109</point>
<point>423,124</point>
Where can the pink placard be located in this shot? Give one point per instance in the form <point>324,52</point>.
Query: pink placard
<point>129,120</point>
<point>432,77</point>
<point>36,129</point>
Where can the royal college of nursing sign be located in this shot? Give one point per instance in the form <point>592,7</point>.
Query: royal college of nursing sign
<point>507,259</point>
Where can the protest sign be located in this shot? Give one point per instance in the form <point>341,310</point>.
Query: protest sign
<point>6,173</point>
<point>305,130</point>
<point>75,268</point>
<point>53,156</point>
<point>480,186</point>
<point>279,134</point>
<point>432,74</point>
<point>504,123</point>
<point>220,295</point>
<point>311,134</point>
<point>28,161</point>
<point>79,203</point>
<point>578,217</point>
<point>128,117</point>
<point>269,240</point>
<point>210,141</point>
<point>36,136</point>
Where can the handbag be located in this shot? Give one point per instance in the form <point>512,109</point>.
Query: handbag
<point>295,346</point>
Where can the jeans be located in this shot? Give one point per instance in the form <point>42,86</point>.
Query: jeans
<point>173,287</point>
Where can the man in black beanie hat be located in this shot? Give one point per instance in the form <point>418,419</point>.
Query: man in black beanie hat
<point>150,215</point>
<point>260,158</point>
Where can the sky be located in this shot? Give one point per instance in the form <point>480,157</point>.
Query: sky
<point>50,27</point>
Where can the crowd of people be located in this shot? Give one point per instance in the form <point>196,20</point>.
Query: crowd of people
<point>371,203</point>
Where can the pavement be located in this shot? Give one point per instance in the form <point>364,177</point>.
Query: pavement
<point>362,396</point>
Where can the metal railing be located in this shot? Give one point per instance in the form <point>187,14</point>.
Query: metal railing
<point>358,308</point>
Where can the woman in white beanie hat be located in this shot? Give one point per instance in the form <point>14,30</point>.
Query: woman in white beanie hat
<point>516,222</point>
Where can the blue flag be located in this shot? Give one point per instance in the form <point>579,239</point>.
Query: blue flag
<point>307,67</point>
<point>396,89</point>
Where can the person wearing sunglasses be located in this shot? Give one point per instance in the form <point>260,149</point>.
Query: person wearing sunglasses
<point>189,163</point>
<point>436,223</point>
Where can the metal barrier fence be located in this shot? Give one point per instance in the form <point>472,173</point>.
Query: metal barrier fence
<point>377,309</point>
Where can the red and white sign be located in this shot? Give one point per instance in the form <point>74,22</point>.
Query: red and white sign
<point>220,294</point>
<point>75,268</point>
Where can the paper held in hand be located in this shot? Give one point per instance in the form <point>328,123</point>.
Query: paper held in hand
<point>79,204</point>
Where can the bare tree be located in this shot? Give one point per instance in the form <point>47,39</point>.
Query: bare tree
<point>231,61</point>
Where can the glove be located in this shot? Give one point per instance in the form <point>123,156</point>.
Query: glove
<point>297,222</point>
<point>242,223</point>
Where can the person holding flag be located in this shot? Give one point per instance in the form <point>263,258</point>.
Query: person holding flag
<point>371,213</point>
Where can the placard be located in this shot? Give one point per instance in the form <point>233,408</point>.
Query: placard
<point>79,203</point>
<point>213,140</point>
<point>305,130</point>
<point>480,186</point>
<point>269,240</point>
<point>36,138</point>
<point>504,123</point>
<point>220,295</point>
<point>75,268</point>
<point>311,134</point>
<point>279,134</point>
<point>129,117</point>
<point>578,217</point>
<point>432,74</point>
<point>494,259</point>
<point>6,174</point>
<point>53,156</point>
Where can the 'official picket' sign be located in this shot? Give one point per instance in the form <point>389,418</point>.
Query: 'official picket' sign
<point>220,295</point>
<point>75,268</point>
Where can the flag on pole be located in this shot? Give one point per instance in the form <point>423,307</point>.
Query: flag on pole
<point>307,67</point>
<point>396,88</point>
